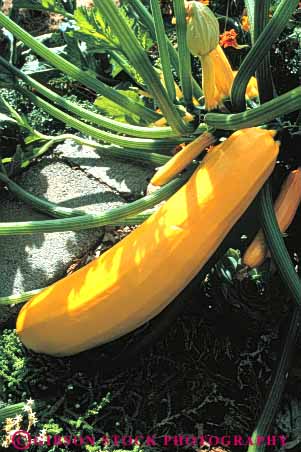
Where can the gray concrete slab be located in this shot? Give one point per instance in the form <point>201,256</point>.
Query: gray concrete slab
<point>128,178</point>
<point>32,261</point>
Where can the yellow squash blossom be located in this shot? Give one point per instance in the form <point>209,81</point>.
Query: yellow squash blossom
<point>203,41</point>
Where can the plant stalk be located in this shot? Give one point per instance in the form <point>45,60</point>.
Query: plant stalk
<point>76,73</point>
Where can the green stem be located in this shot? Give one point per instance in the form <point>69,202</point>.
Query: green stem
<point>184,54</point>
<point>29,157</point>
<point>260,49</point>
<point>76,73</point>
<point>103,121</point>
<point>126,142</point>
<point>263,72</point>
<point>123,63</point>
<point>88,221</point>
<point>55,210</point>
<point>280,255</point>
<point>41,205</point>
<point>11,411</point>
<point>163,50</point>
<point>52,9</point>
<point>124,154</point>
<point>141,62</point>
<point>21,298</point>
<point>277,246</point>
<point>250,5</point>
<point>284,104</point>
<point>148,22</point>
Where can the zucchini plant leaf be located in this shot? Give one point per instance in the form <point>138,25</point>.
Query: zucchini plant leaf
<point>92,29</point>
<point>113,111</point>
<point>115,67</point>
<point>7,80</point>
<point>39,70</point>
<point>9,135</point>
<point>3,108</point>
<point>90,22</point>
<point>55,6</point>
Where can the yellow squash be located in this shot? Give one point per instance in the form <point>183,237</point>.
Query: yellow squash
<point>285,208</point>
<point>138,277</point>
<point>182,158</point>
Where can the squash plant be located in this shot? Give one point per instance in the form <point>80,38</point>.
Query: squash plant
<point>169,117</point>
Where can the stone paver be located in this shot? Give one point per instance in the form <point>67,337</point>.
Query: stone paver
<point>126,177</point>
<point>31,261</point>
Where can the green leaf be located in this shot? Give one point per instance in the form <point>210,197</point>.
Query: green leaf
<point>6,51</point>
<point>98,36</point>
<point>38,69</point>
<point>55,6</point>
<point>90,22</point>
<point>4,107</point>
<point>9,135</point>
<point>118,59</point>
<point>113,111</point>
<point>115,67</point>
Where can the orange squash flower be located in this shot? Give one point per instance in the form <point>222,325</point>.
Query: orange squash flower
<point>245,23</point>
<point>228,39</point>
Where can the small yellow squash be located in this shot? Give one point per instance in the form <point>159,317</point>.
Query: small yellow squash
<point>138,277</point>
<point>182,158</point>
<point>285,208</point>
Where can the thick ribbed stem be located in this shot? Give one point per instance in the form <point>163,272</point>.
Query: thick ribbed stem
<point>138,57</point>
<point>260,49</point>
<point>282,105</point>
<point>76,73</point>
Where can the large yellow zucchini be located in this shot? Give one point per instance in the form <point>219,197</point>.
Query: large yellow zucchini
<point>138,277</point>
